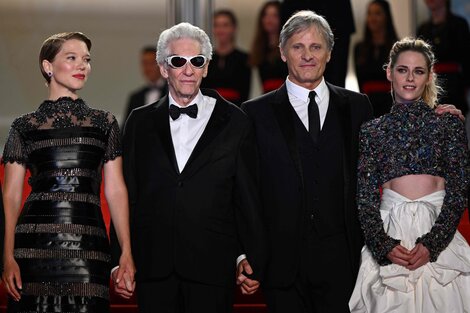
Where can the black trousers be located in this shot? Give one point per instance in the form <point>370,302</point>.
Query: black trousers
<point>324,283</point>
<point>177,295</point>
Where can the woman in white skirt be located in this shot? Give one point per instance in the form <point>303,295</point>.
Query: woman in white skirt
<point>412,187</point>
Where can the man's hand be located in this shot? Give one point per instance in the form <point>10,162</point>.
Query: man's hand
<point>123,277</point>
<point>247,286</point>
<point>449,108</point>
<point>419,256</point>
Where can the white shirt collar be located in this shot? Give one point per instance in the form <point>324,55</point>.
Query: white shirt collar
<point>302,93</point>
<point>199,99</point>
<point>205,105</point>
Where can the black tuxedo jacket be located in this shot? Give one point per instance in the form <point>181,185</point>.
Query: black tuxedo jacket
<point>137,99</point>
<point>281,182</point>
<point>194,223</point>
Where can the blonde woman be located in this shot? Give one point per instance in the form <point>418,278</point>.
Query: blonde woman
<point>414,259</point>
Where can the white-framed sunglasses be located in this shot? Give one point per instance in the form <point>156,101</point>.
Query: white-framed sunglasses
<point>177,61</point>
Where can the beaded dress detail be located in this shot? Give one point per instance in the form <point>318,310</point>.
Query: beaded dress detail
<point>61,244</point>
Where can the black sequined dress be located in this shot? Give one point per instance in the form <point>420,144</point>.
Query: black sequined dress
<point>61,244</point>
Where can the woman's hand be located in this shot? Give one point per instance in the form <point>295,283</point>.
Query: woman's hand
<point>123,277</point>
<point>400,255</point>
<point>419,256</point>
<point>11,277</point>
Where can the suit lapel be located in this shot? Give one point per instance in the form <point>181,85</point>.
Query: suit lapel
<point>219,119</point>
<point>284,115</point>
<point>161,121</point>
<point>344,112</point>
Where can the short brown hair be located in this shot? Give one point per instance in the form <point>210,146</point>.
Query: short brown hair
<point>228,13</point>
<point>52,45</point>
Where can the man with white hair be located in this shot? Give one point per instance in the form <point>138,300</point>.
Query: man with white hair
<point>190,165</point>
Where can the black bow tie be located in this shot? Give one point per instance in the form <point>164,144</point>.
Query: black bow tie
<point>190,111</point>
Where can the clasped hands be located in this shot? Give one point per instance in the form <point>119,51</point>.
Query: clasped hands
<point>410,259</point>
<point>123,277</point>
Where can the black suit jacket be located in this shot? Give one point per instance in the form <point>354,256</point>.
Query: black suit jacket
<point>195,223</point>
<point>281,177</point>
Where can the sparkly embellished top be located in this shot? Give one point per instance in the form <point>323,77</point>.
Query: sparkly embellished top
<point>412,139</point>
<point>63,113</point>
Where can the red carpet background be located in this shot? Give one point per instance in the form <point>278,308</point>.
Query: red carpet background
<point>243,304</point>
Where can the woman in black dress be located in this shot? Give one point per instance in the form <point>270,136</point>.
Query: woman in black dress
<point>371,54</point>
<point>265,55</point>
<point>229,72</point>
<point>56,253</point>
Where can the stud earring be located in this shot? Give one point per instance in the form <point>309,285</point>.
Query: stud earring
<point>49,74</point>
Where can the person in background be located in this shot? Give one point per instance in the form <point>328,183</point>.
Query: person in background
<point>450,37</point>
<point>264,54</point>
<point>190,163</point>
<point>371,54</point>
<point>229,72</point>
<point>340,16</point>
<point>56,251</point>
<point>415,260</point>
<point>155,87</point>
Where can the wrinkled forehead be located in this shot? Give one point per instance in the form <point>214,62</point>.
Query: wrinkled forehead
<point>184,46</point>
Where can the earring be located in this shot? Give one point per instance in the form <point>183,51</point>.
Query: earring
<point>49,74</point>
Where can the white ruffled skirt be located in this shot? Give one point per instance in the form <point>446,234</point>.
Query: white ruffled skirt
<point>441,286</point>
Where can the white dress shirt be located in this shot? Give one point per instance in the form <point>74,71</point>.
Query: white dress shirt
<point>186,131</point>
<point>298,97</point>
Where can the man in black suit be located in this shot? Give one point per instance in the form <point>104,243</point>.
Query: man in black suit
<point>307,136</point>
<point>340,15</point>
<point>156,86</point>
<point>190,165</point>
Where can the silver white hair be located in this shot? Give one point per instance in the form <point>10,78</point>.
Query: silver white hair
<point>180,31</point>
<point>301,21</point>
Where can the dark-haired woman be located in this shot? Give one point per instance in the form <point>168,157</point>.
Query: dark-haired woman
<point>229,72</point>
<point>265,55</point>
<point>56,253</point>
<point>371,54</point>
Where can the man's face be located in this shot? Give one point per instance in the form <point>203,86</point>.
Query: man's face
<point>184,82</point>
<point>149,67</point>
<point>306,54</point>
<point>224,30</point>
